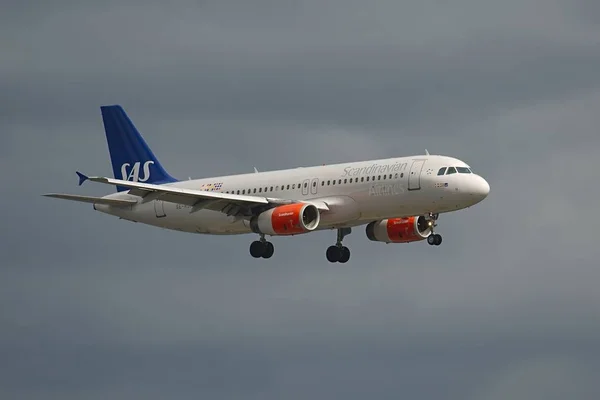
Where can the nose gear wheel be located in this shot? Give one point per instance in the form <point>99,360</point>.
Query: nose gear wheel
<point>434,239</point>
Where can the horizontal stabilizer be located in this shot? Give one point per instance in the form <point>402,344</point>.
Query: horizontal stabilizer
<point>82,177</point>
<point>93,200</point>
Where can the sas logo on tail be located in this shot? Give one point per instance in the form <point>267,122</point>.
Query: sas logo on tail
<point>132,173</point>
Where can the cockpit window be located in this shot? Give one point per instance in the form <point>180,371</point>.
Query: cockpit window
<point>441,171</point>
<point>451,170</point>
<point>463,170</point>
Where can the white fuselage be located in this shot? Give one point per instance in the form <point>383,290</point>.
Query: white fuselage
<point>359,192</point>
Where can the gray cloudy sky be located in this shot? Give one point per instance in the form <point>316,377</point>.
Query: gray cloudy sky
<point>507,308</point>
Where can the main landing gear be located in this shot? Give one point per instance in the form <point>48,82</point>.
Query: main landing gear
<point>339,252</point>
<point>434,239</point>
<point>261,248</point>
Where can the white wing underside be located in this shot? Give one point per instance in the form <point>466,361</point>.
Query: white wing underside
<point>230,204</point>
<point>93,200</point>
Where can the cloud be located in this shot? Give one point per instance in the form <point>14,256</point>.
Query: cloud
<point>96,307</point>
<point>545,378</point>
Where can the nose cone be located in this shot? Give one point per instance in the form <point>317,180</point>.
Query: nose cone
<point>480,188</point>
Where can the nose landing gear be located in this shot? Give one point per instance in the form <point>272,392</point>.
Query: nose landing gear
<point>434,239</point>
<point>339,252</point>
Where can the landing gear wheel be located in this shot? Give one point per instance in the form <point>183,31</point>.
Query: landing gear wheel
<point>269,250</point>
<point>434,239</point>
<point>345,254</point>
<point>334,254</point>
<point>261,248</point>
<point>257,248</point>
<point>339,252</point>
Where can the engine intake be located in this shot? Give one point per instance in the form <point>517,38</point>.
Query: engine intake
<point>289,219</point>
<point>399,230</point>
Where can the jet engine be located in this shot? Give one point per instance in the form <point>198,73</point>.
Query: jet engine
<point>399,230</point>
<point>289,219</point>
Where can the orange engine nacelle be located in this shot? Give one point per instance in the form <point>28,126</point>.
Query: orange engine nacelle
<point>289,219</point>
<point>399,230</point>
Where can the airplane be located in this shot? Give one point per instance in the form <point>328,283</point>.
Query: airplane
<point>399,200</point>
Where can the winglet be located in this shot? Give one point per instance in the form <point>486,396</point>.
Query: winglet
<point>426,152</point>
<point>82,178</point>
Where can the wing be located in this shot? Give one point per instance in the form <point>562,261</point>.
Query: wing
<point>230,204</point>
<point>92,200</point>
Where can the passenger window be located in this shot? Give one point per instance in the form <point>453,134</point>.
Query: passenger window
<point>463,170</point>
<point>367,179</point>
<point>238,192</point>
<point>442,171</point>
<point>288,187</point>
<point>260,190</point>
<point>315,184</point>
<point>362,179</point>
<point>294,186</point>
<point>244,191</point>
<point>390,176</point>
<point>322,183</point>
<point>451,170</point>
<point>384,177</point>
<point>333,182</point>
<point>396,176</point>
<point>328,183</point>
<point>379,177</point>
<point>402,175</point>
<point>254,190</point>
<point>339,181</point>
<point>345,180</point>
<point>271,189</point>
<point>350,180</point>
<point>305,184</point>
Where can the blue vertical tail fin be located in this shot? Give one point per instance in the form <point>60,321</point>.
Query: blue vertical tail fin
<point>132,159</point>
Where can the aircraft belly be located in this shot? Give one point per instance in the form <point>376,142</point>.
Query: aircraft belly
<point>178,217</point>
<point>388,202</point>
<point>206,221</point>
<point>344,210</point>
